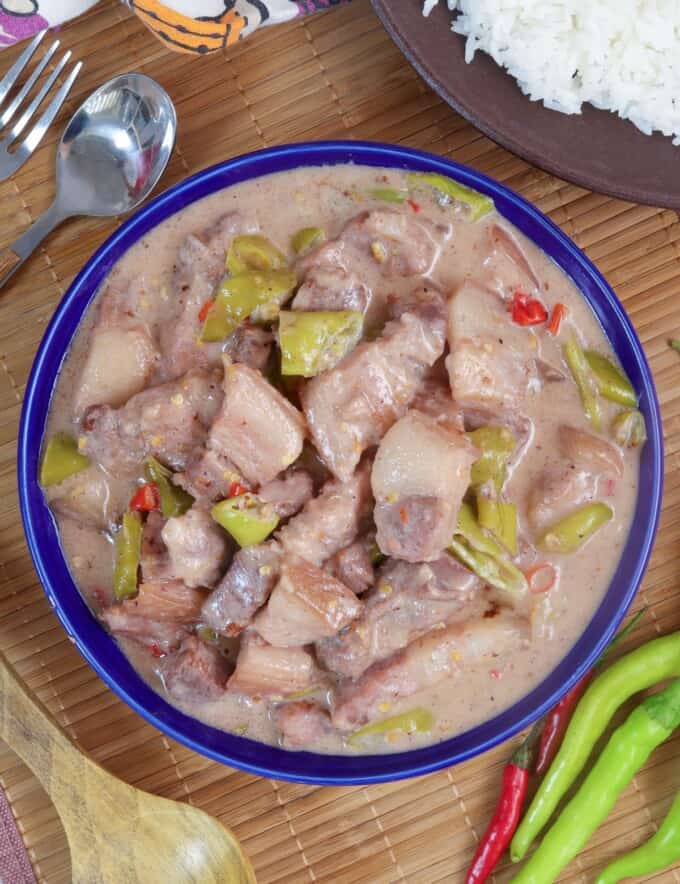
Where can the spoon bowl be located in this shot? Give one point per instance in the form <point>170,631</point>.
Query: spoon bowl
<point>110,157</point>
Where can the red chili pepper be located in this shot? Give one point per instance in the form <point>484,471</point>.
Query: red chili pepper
<point>403,515</point>
<point>147,499</point>
<point>414,205</point>
<point>236,489</point>
<point>506,816</point>
<point>558,314</point>
<point>527,311</point>
<point>558,718</point>
<point>156,651</point>
<point>205,309</point>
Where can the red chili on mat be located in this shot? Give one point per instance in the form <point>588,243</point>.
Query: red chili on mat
<point>147,499</point>
<point>556,722</point>
<point>527,311</point>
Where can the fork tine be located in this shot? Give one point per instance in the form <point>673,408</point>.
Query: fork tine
<point>34,137</point>
<point>20,125</point>
<point>13,73</point>
<point>9,112</point>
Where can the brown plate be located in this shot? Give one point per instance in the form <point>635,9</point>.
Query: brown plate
<point>595,149</point>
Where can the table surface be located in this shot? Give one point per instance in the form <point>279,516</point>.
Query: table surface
<point>332,75</point>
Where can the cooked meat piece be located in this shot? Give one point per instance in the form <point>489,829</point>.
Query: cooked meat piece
<point>301,724</point>
<point>91,498</point>
<point>158,615</point>
<point>196,673</point>
<point>289,493</point>
<point>154,560</point>
<point>560,490</point>
<point>167,421</point>
<point>199,268</point>
<point>331,521</point>
<point>590,452</point>
<point>244,588</point>
<point>197,547</point>
<point>351,407</point>
<point>353,566</point>
<point>509,266</point>
<point>407,601</point>
<point>436,656</point>
<point>433,397</point>
<point>332,288</point>
<point>264,671</point>
<point>250,344</point>
<point>209,476</point>
<point>257,430</point>
<point>491,361</point>
<point>305,605</point>
<point>420,474</point>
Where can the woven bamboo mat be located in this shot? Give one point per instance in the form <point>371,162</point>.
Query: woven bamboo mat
<point>332,75</point>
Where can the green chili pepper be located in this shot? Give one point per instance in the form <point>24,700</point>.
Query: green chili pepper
<point>478,203</point>
<point>571,532</point>
<point>488,514</point>
<point>629,428</point>
<point>175,501</point>
<point>240,296</point>
<point>316,341</point>
<point>613,383</point>
<point>307,238</point>
<point>246,518</point>
<point>414,721</point>
<point>470,529</point>
<point>254,253</point>
<point>508,526</point>
<point>661,851</point>
<point>652,722</point>
<point>128,546</point>
<point>61,460</point>
<point>497,572</point>
<point>389,194</point>
<point>496,444</point>
<point>674,343</point>
<point>646,666</point>
<point>585,381</point>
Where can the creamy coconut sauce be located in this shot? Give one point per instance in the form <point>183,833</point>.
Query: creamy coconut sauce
<point>327,197</point>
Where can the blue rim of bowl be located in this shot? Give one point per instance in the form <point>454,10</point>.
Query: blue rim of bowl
<point>102,652</point>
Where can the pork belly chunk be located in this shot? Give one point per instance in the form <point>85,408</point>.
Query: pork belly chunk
<point>289,493</point>
<point>305,605</point>
<point>301,723</point>
<point>420,474</point>
<point>158,616</point>
<point>197,547</point>
<point>350,408</point>
<point>332,287</point>
<point>491,362</point>
<point>590,452</point>
<point>426,662</point>
<point>265,671</point>
<point>250,344</point>
<point>244,588</point>
<point>331,521</point>
<point>559,490</point>
<point>197,673</point>
<point>353,565</point>
<point>407,601</point>
<point>91,498</point>
<point>167,421</point>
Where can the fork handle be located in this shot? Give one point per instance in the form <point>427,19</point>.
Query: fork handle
<point>14,256</point>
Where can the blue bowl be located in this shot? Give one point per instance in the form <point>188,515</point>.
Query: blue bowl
<point>102,652</point>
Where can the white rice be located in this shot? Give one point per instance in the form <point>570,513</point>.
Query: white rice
<point>621,55</point>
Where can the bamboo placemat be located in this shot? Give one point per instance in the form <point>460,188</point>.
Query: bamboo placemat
<point>332,75</point>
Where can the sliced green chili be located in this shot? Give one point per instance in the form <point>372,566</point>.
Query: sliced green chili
<point>389,194</point>
<point>61,460</point>
<point>315,341</point>
<point>497,572</point>
<point>646,666</point>
<point>585,381</point>
<point>631,744</point>
<point>254,253</point>
<point>661,851</point>
<point>414,721</point>
<point>246,518</point>
<point>571,532</point>
<point>128,546</point>
<point>628,428</point>
<point>175,501</point>
<point>478,203</point>
<point>496,444</point>
<point>613,383</point>
<point>307,238</point>
<point>674,343</point>
<point>240,296</point>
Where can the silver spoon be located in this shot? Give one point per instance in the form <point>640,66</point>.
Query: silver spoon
<point>111,155</point>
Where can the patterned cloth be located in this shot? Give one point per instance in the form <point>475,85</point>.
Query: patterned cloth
<point>195,26</point>
<point>15,867</point>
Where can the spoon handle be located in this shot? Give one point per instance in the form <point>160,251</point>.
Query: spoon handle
<point>14,256</point>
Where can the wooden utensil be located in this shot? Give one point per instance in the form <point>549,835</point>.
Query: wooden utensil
<point>115,832</point>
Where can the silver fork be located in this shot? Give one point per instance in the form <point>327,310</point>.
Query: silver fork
<point>10,162</point>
